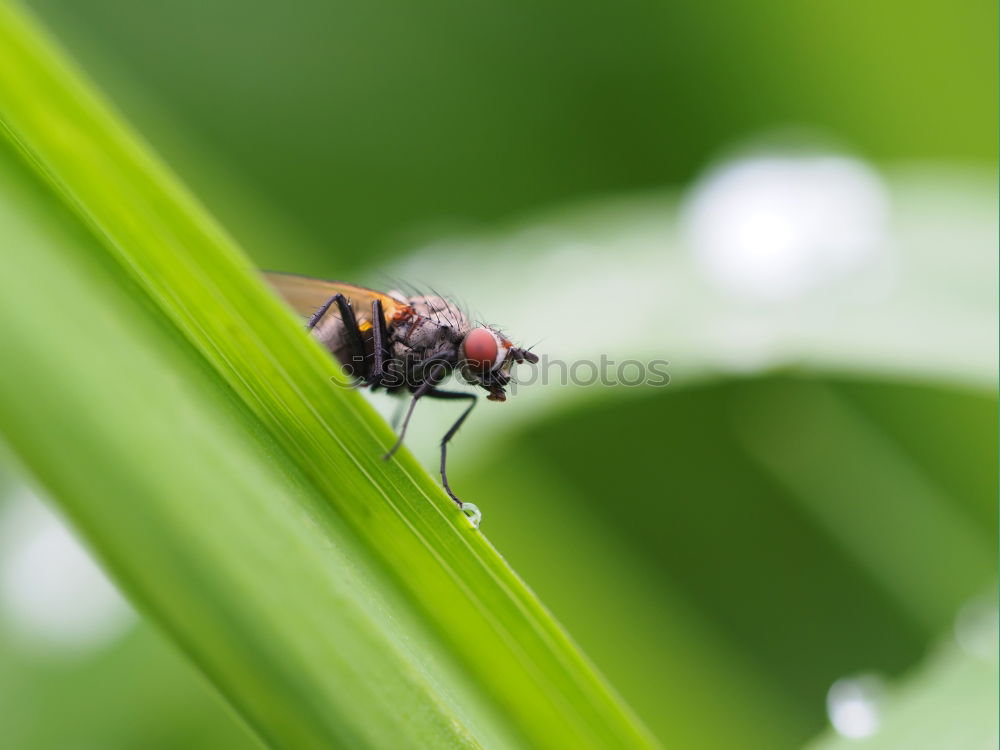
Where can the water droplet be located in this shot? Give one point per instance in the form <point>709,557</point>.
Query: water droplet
<point>854,705</point>
<point>473,514</point>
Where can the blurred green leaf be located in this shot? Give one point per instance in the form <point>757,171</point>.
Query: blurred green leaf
<point>727,581</point>
<point>187,426</point>
<point>949,701</point>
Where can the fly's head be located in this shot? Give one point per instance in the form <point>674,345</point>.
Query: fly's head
<point>486,357</point>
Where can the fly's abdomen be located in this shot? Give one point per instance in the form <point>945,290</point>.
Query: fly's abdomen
<point>332,334</point>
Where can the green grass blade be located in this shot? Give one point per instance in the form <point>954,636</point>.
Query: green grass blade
<point>163,479</point>
<point>174,408</point>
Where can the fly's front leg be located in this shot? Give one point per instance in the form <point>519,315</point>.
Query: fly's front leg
<point>355,342</point>
<point>380,336</point>
<point>435,393</point>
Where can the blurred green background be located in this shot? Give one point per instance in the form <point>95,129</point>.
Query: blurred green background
<point>801,529</point>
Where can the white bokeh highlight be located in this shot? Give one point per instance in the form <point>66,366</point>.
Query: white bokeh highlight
<point>53,596</point>
<point>777,227</point>
<point>976,627</point>
<point>853,706</point>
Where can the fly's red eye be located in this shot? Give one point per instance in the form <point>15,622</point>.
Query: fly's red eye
<point>480,347</point>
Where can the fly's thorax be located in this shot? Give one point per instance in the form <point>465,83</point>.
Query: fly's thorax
<point>424,339</point>
<point>441,312</point>
<point>435,328</point>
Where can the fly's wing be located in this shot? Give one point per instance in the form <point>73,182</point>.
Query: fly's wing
<point>306,295</point>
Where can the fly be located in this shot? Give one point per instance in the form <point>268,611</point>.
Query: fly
<point>404,345</point>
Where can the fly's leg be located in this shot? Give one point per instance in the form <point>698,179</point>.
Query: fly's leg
<point>318,315</point>
<point>435,393</point>
<point>397,415</point>
<point>380,334</point>
<point>435,375</point>
<point>355,342</point>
